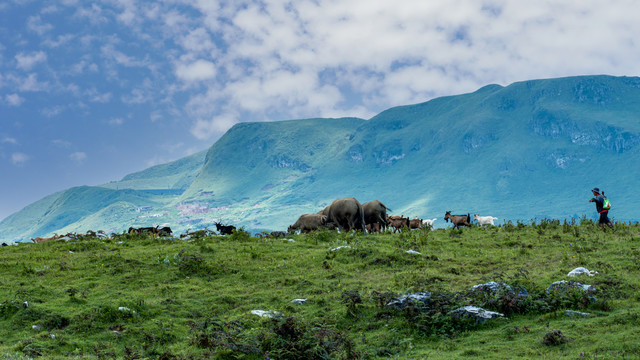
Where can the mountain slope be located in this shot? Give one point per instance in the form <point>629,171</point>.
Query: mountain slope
<point>529,150</point>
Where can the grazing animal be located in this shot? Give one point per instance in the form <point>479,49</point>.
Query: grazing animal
<point>415,223</point>
<point>484,220</point>
<point>307,223</point>
<point>458,220</point>
<point>164,231</point>
<point>398,222</point>
<point>346,214</point>
<point>373,228</point>
<point>142,230</point>
<point>324,211</point>
<point>375,212</point>
<point>225,229</point>
<point>428,222</point>
<point>277,234</point>
<point>39,240</point>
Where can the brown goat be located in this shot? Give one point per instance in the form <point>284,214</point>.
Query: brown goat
<point>39,240</point>
<point>397,222</point>
<point>415,223</point>
<point>458,220</point>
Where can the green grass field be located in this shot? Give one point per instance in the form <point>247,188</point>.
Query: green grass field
<point>133,297</point>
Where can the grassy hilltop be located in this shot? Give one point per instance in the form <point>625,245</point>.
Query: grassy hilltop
<point>133,297</point>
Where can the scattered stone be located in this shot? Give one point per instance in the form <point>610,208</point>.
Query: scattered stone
<point>494,287</point>
<point>402,301</point>
<point>481,315</point>
<point>36,327</point>
<point>126,309</point>
<point>267,314</point>
<point>299,301</point>
<point>580,271</point>
<point>555,337</point>
<point>52,336</point>
<point>564,285</point>
<point>341,247</point>
<point>25,304</point>
<point>413,252</point>
<point>576,313</point>
<point>289,240</point>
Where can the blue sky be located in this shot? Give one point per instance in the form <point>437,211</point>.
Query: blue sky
<point>93,90</point>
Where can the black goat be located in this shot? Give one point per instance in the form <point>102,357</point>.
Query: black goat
<point>225,229</point>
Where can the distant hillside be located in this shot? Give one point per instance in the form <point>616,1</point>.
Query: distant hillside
<point>530,150</point>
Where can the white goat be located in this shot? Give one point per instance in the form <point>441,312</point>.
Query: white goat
<point>428,222</point>
<point>484,220</point>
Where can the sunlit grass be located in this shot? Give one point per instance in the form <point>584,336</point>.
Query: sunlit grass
<point>145,297</point>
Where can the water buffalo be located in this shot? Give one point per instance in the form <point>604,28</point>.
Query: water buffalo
<point>308,222</point>
<point>347,214</point>
<point>375,212</point>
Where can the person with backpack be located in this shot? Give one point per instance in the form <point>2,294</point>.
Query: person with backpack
<point>602,207</point>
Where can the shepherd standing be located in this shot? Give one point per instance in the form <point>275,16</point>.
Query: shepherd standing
<point>602,207</point>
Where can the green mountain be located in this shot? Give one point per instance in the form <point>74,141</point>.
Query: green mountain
<point>530,150</point>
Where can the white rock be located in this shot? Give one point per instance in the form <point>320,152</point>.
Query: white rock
<point>299,301</point>
<point>341,247</point>
<point>564,284</point>
<point>36,327</point>
<point>480,313</point>
<point>289,240</point>
<point>576,313</point>
<point>126,309</point>
<point>413,252</point>
<point>52,336</point>
<point>263,313</point>
<point>580,271</point>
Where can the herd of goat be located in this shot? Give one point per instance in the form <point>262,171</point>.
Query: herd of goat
<point>343,214</point>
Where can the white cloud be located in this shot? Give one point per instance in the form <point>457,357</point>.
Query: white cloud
<point>78,157</point>
<point>94,14</point>
<point>61,143</point>
<point>60,40</point>
<point>116,121</point>
<point>204,129</point>
<point>35,24</point>
<point>196,71</point>
<point>137,96</point>
<point>14,99</point>
<point>19,159</point>
<point>27,61</point>
<point>52,111</point>
<point>29,83</point>
<point>9,140</point>
<point>121,58</point>
<point>198,40</point>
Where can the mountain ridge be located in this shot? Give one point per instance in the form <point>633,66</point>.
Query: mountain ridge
<point>531,149</point>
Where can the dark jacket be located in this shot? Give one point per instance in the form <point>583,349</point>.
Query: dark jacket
<point>599,200</point>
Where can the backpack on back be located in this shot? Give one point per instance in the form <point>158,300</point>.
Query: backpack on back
<point>606,204</point>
